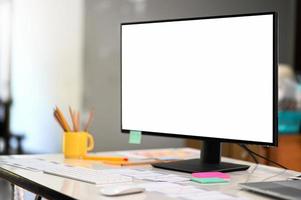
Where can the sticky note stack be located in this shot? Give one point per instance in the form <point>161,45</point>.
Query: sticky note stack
<point>210,177</point>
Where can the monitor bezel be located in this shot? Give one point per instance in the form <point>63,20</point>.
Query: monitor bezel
<point>275,81</point>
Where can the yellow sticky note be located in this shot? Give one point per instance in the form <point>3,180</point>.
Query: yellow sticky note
<point>135,137</point>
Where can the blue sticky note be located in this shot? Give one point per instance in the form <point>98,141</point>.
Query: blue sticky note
<point>209,180</point>
<point>135,137</point>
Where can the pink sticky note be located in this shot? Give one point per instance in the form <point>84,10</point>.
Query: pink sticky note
<point>211,175</point>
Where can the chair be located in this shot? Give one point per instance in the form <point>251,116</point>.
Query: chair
<point>5,133</point>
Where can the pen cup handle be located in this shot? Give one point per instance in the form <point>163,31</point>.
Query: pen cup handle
<point>90,142</point>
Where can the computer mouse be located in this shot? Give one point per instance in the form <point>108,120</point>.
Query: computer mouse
<point>121,190</point>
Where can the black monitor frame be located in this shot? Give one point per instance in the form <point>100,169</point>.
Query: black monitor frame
<point>212,144</point>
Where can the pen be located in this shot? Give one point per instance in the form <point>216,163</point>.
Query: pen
<point>106,158</point>
<point>127,163</point>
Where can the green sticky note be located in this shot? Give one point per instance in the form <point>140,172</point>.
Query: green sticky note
<point>209,180</point>
<point>135,137</point>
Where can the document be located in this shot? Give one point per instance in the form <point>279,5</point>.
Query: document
<point>32,164</point>
<point>148,175</point>
<point>186,192</point>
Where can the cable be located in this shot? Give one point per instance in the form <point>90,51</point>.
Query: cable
<point>273,176</point>
<point>258,155</point>
<point>255,160</point>
<point>250,153</point>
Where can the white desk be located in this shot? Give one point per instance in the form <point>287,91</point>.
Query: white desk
<point>53,187</point>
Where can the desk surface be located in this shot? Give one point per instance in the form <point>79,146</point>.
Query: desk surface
<point>53,187</point>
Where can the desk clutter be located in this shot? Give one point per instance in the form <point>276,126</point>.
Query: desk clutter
<point>165,154</point>
<point>75,118</point>
<point>187,192</point>
<point>76,142</point>
<point>210,177</point>
<point>171,185</point>
<point>92,176</point>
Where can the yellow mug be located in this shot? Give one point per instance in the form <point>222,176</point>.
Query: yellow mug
<point>77,144</point>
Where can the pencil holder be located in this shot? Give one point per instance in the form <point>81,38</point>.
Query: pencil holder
<point>77,144</point>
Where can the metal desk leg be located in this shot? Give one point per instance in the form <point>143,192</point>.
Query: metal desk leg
<point>12,192</point>
<point>38,197</point>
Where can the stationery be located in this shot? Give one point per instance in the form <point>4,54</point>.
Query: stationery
<point>75,118</point>
<point>77,143</point>
<point>61,119</point>
<point>130,163</point>
<point>209,180</point>
<point>106,158</point>
<point>91,116</point>
<point>211,175</point>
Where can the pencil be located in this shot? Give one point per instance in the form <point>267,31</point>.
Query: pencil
<point>127,163</point>
<point>72,118</point>
<point>63,120</point>
<point>106,158</point>
<point>91,115</point>
<point>58,120</point>
<point>77,121</point>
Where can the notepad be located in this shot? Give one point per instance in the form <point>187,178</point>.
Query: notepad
<point>209,180</point>
<point>211,175</point>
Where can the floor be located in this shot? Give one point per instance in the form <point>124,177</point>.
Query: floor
<point>5,190</point>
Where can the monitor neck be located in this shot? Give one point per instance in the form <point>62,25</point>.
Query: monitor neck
<point>211,152</point>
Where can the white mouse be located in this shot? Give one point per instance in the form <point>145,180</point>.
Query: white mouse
<point>121,190</point>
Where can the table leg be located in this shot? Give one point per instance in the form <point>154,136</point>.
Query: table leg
<point>12,192</point>
<point>17,193</point>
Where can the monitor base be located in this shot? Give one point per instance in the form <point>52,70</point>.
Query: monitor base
<point>195,165</point>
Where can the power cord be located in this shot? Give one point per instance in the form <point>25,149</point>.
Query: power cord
<point>252,153</point>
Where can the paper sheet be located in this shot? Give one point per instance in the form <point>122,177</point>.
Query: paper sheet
<point>162,154</point>
<point>186,192</point>
<point>161,182</point>
<point>148,175</point>
<point>32,164</point>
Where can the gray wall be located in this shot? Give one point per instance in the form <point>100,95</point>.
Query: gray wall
<point>102,64</point>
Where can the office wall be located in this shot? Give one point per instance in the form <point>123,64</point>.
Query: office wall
<point>101,59</point>
<point>5,46</point>
<point>46,68</point>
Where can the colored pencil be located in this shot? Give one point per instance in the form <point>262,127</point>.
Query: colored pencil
<point>91,115</point>
<point>105,158</point>
<point>131,163</point>
<point>62,119</point>
<point>73,119</point>
<point>78,121</point>
<point>59,120</point>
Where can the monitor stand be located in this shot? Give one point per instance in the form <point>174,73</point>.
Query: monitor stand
<point>210,161</point>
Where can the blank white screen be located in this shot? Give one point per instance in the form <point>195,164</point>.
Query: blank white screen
<point>207,78</point>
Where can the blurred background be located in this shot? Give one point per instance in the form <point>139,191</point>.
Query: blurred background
<point>66,52</point>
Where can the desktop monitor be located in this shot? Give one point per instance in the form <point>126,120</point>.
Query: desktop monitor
<point>209,78</point>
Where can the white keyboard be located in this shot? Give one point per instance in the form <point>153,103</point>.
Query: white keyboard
<point>88,175</point>
<point>93,176</point>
